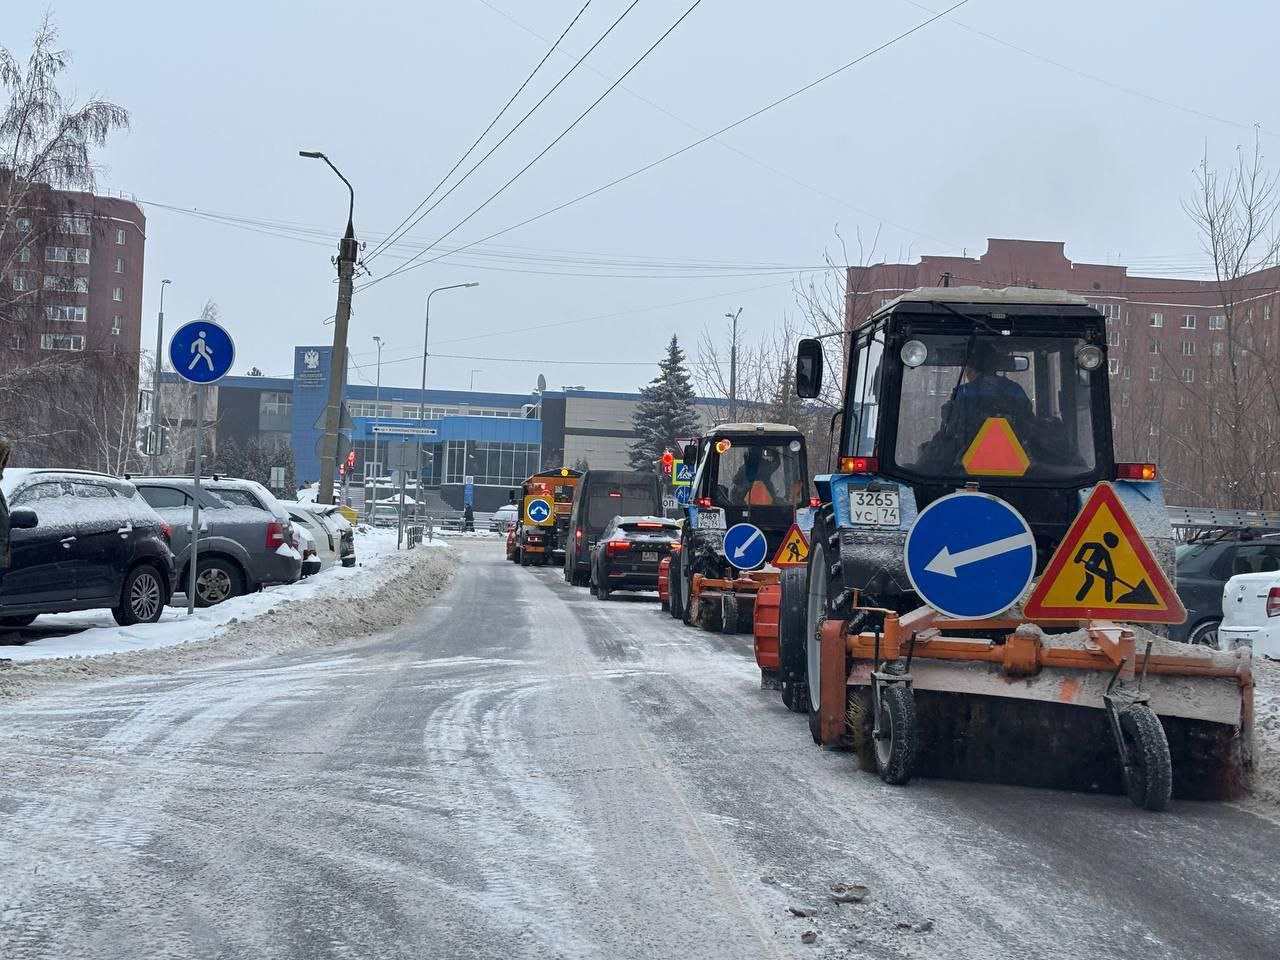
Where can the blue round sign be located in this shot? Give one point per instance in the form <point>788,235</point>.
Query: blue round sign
<point>970,555</point>
<point>682,495</point>
<point>745,546</point>
<point>539,510</point>
<point>201,352</point>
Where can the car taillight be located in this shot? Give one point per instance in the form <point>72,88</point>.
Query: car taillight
<point>166,531</point>
<point>649,526</point>
<point>859,464</point>
<point>275,534</point>
<point>704,502</point>
<point>815,502</point>
<point>577,534</point>
<point>1135,471</point>
<point>617,546</point>
<point>1273,602</point>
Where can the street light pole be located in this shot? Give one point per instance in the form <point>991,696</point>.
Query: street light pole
<point>422,397</point>
<point>347,250</point>
<point>155,387</point>
<point>733,367</point>
<point>377,406</point>
<point>472,388</point>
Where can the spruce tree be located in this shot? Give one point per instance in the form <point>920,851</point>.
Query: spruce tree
<point>666,412</point>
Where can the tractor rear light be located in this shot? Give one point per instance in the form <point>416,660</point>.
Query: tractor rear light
<point>617,546</point>
<point>704,502</point>
<point>859,464</point>
<point>815,502</point>
<point>1135,471</point>
<point>1273,602</point>
<point>675,547</point>
<point>577,534</point>
<point>275,534</point>
<point>616,493</point>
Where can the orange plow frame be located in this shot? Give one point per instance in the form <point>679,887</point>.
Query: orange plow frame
<point>745,588</point>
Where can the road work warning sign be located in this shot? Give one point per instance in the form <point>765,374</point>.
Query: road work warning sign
<point>1103,569</point>
<point>794,550</point>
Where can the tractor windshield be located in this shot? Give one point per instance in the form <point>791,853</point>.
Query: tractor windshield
<point>754,474</point>
<point>996,406</point>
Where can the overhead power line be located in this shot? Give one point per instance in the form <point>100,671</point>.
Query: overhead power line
<point>498,116</point>
<point>671,156</point>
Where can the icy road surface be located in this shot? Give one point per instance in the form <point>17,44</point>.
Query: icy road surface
<point>524,771</point>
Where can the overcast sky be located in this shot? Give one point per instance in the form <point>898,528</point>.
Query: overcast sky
<point>938,142</point>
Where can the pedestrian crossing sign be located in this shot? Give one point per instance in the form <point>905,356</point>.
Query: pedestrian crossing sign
<point>794,549</point>
<point>1103,569</point>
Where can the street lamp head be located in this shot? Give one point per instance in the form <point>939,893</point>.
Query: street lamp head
<point>163,282</point>
<point>473,283</point>
<point>311,154</point>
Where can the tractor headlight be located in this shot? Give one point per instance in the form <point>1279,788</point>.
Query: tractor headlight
<point>914,353</point>
<point>1089,357</point>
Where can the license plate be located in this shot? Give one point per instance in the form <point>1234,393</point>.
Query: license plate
<point>649,555</point>
<point>710,520</point>
<point>873,508</point>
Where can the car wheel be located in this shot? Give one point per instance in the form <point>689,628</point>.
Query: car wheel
<point>1205,635</point>
<point>142,598</point>
<point>26,621</point>
<point>348,561</point>
<point>216,581</point>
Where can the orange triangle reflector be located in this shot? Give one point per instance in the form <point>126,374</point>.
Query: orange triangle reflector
<point>995,451</point>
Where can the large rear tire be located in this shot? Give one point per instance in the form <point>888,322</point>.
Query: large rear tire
<point>1149,779</point>
<point>791,644</point>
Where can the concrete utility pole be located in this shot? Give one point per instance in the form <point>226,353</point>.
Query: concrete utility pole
<point>154,458</point>
<point>347,250</point>
<point>733,367</point>
<point>422,396</point>
<point>377,402</point>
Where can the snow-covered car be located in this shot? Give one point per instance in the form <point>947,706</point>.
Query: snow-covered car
<point>1251,613</point>
<point>305,544</point>
<point>325,542</point>
<point>501,519</point>
<point>82,541</point>
<point>334,518</point>
<point>385,515</point>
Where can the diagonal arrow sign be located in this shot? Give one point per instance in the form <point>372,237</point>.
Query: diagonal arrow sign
<point>946,562</point>
<point>738,554</point>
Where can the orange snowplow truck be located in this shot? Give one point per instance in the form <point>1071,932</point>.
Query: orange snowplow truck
<point>546,500</point>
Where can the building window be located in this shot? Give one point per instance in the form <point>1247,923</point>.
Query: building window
<point>117,294</point>
<point>1153,346</point>
<point>24,224</point>
<point>1157,319</point>
<point>120,236</point>
<point>1113,366</point>
<point>61,341</point>
<point>66,254</point>
<point>368,408</point>
<point>19,282</point>
<point>66,284</point>
<point>1188,348</point>
<point>1153,430</point>
<point>1113,338</point>
<point>1217,321</point>
<point>24,255</point>
<point>1189,321</point>
<point>1219,376</point>
<point>1183,401</point>
<point>68,313</point>
<point>76,225</point>
<point>1127,371</point>
<point>117,322</point>
<point>275,403</point>
<point>1124,399</point>
<point>1155,374</point>
<point>1187,375</point>
<point>119,264</point>
<point>17,342</point>
<point>1266,311</point>
<point>1216,348</point>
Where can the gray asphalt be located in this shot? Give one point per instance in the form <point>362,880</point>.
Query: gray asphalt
<point>524,771</point>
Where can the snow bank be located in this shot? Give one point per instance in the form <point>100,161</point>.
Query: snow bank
<point>1266,730</point>
<point>338,604</point>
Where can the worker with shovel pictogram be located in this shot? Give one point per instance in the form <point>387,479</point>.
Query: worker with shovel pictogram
<point>1096,559</point>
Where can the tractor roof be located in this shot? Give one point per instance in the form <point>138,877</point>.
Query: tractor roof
<point>737,429</point>
<point>1000,297</point>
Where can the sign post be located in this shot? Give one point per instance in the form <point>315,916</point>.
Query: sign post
<point>201,353</point>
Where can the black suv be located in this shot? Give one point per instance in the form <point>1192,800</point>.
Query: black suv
<point>82,541</point>
<point>1204,567</point>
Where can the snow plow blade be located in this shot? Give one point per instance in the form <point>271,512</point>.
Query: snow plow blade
<point>1045,709</point>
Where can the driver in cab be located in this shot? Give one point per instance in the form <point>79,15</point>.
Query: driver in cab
<point>753,483</point>
<point>982,393</point>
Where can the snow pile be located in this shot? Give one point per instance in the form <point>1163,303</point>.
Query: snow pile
<point>1266,729</point>
<point>341,603</point>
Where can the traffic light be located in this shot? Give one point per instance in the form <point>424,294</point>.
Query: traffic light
<point>668,458</point>
<point>351,459</point>
<point>342,469</point>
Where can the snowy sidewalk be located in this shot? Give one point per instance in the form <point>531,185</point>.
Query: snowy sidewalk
<point>377,562</point>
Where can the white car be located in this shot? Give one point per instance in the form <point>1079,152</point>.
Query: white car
<point>1251,613</point>
<point>325,542</point>
<point>498,520</point>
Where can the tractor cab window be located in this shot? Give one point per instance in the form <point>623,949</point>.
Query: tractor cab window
<point>996,406</point>
<point>864,408</point>
<point>754,474</point>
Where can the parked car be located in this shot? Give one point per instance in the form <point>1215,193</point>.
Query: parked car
<point>1204,567</point>
<point>242,547</point>
<point>503,517</point>
<point>601,496</point>
<point>324,539</point>
<point>336,518</point>
<point>384,515</point>
<point>628,553</point>
<point>513,541</point>
<point>82,541</point>
<point>305,544</point>
<point>1251,613</point>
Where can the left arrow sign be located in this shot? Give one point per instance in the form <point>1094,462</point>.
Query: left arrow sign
<point>946,562</point>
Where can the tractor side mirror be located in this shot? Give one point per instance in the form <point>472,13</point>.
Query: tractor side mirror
<point>808,368</point>
<point>690,455</point>
<point>22,519</point>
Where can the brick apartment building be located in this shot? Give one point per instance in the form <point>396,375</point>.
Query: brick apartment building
<point>1167,338</point>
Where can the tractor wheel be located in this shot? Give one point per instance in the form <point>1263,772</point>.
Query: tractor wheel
<point>729,614</point>
<point>686,586</point>
<point>896,746</point>
<point>675,598</point>
<point>524,557</point>
<point>791,644</point>
<point>824,584</point>
<point>709,618</point>
<point>1149,777</point>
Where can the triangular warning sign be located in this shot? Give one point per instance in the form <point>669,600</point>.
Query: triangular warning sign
<point>794,550</point>
<point>995,451</point>
<point>1103,569</point>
